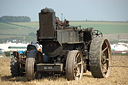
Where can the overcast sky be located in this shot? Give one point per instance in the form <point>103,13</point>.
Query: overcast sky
<point>108,10</point>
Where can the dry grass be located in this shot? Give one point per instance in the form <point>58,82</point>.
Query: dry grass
<point>119,75</point>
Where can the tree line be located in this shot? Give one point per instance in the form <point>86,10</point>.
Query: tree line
<point>15,19</point>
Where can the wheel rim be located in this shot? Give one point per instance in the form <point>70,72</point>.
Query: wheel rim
<point>105,59</point>
<point>78,67</point>
<point>74,65</point>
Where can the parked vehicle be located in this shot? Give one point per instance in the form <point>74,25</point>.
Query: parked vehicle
<point>70,50</point>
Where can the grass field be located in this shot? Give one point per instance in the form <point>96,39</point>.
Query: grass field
<point>105,27</point>
<point>29,24</point>
<point>7,26</point>
<point>119,75</point>
<point>23,29</point>
<point>18,31</point>
<point>8,31</point>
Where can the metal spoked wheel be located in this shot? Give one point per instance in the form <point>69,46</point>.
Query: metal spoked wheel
<point>100,57</point>
<point>104,63</point>
<point>74,65</point>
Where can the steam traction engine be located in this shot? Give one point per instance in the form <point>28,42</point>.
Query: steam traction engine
<point>67,49</point>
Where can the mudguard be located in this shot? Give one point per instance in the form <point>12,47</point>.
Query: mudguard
<point>32,51</point>
<point>31,47</point>
<point>32,54</point>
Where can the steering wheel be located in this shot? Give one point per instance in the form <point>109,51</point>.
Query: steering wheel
<point>97,33</point>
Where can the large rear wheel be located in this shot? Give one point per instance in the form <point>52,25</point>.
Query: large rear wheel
<point>74,65</point>
<point>100,57</point>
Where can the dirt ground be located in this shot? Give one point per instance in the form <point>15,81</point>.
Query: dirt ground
<point>119,75</point>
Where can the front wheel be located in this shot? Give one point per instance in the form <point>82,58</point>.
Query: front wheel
<point>30,72</point>
<point>74,65</point>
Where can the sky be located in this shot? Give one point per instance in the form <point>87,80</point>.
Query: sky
<point>106,10</point>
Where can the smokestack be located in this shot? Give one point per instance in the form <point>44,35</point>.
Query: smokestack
<point>61,17</point>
